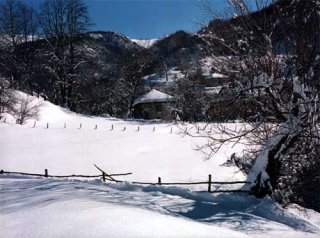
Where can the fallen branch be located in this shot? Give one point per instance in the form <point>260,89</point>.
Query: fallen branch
<point>109,176</point>
<point>51,176</point>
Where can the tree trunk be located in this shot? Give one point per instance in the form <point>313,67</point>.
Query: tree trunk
<point>265,172</point>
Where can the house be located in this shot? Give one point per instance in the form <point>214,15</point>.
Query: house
<point>214,80</point>
<point>154,105</point>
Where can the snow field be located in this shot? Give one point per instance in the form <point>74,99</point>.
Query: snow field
<point>38,207</point>
<point>149,153</point>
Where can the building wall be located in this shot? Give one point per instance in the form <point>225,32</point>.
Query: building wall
<point>149,111</point>
<point>213,82</point>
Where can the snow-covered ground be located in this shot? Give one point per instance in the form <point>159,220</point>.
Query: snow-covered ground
<point>147,149</point>
<point>38,207</point>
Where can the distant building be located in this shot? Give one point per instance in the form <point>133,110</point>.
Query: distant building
<point>214,80</point>
<point>155,105</point>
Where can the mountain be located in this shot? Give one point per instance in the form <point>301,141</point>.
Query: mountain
<point>145,43</point>
<point>109,64</point>
<point>78,72</point>
<point>279,19</point>
<point>177,46</point>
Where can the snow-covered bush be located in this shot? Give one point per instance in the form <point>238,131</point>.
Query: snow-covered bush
<point>27,107</point>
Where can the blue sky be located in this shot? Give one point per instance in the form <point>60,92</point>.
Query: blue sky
<point>146,19</point>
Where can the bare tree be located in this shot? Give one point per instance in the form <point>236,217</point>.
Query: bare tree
<point>10,20</point>
<point>191,100</point>
<point>62,21</point>
<point>284,86</point>
<point>7,97</point>
<point>135,66</point>
<point>26,108</point>
<point>18,26</point>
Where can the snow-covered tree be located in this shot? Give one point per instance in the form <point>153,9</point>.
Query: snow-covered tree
<point>135,66</point>
<point>62,21</point>
<point>192,102</point>
<point>274,57</point>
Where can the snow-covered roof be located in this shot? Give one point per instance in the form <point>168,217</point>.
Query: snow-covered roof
<point>172,75</point>
<point>217,75</point>
<point>153,96</point>
<point>151,77</point>
<point>213,90</point>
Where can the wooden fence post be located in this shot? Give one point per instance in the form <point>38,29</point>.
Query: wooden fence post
<point>209,184</point>
<point>47,125</point>
<point>65,125</point>
<point>46,173</point>
<point>159,180</point>
<point>5,120</point>
<point>138,128</point>
<point>171,131</point>
<point>80,126</point>
<point>34,125</point>
<point>103,177</point>
<point>96,127</point>
<point>154,129</point>
<point>112,127</point>
<point>124,128</point>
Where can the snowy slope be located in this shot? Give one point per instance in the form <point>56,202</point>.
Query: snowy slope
<point>148,153</point>
<point>57,208</point>
<point>99,211</point>
<point>36,207</point>
<point>145,43</point>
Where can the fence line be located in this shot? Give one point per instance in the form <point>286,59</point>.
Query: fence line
<point>95,127</point>
<point>46,125</point>
<point>109,177</point>
<point>60,176</point>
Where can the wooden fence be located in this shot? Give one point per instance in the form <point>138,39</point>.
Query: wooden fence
<point>94,127</point>
<point>112,127</point>
<point>110,177</point>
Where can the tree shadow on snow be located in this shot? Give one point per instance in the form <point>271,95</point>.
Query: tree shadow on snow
<point>249,214</point>
<point>239,212</point>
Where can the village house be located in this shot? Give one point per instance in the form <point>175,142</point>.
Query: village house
<point>154,105</point>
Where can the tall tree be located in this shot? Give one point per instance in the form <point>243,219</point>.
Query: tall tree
<point>62,22</point>
<point>135,66</point>
<point>18,25</point>
<point>191,100</point>
<point>284,85</point>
